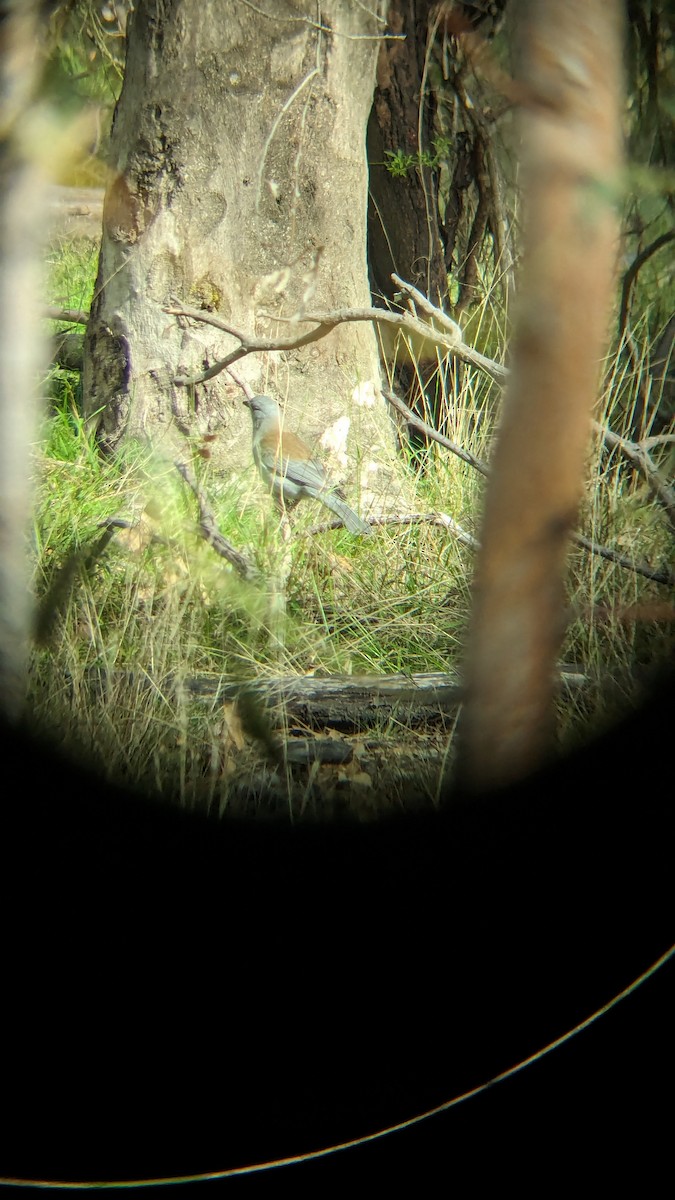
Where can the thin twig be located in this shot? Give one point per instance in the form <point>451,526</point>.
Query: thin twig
<point>430,432</point>
<point>661,439</point>
<point>632,272</point>
<point>353,37</point>
<point>275,125</point>
<point>640,460</point>
<point>245,387</point>
<point>427,307</point>
<point>657,575</point>
<point>249,344</point>
<point>209,530</point>
<point>430,518</point>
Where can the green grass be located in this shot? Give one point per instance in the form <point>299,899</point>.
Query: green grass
<point>158,605</point>
<point>71,276</point>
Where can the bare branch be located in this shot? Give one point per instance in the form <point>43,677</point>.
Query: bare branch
<point>335,701</point>
<point>249,343</point>
<point>656,574</point>
<point>209,530</point>
<point>352,37</point>
<point>431,518</point>
<point>632,273</point>
<point>434,435</point>
<point>245,387</point>
<point>639,458</point>
<point>75,316</point>
<point>661,439</point>
<point>427,307</point>
<point>325,322</point>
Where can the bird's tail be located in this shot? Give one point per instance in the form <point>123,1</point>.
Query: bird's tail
<point>346,514</point>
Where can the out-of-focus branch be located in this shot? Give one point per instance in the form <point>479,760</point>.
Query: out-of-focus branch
<point>22,347</point>
<point>571,140</point>
<point>74,316</point>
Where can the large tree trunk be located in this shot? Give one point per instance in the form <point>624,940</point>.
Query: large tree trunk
<point>403,225</point>
<point>239,184</point>
<point>434,192</point>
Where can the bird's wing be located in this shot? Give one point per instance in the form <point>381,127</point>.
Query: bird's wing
<point>290,456</point>
<point>307,473</point>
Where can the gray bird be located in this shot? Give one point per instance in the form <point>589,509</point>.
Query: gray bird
<point>286,465</point>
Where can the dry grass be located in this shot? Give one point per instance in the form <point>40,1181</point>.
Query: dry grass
<point>158,606</point>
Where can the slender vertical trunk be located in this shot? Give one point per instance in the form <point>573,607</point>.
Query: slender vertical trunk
<point>570,82</point>
<point>21,347</point>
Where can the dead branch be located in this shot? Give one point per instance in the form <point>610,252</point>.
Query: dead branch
<point>661,439</point>
<point>434,435</point>
<point>345,702</point>
<point>637,455</point>
<point>74,316</point>
<point>430,518</point>
<point>448,341</point>
<point>249,343</point>
<point>658,575</point>
<point>632,273</point>
<point>419,300</point>
<point>634,452</point>
<point>208,529</point>
<point>245,387</point>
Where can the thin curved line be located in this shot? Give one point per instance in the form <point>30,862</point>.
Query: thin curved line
<point>369,1137</point>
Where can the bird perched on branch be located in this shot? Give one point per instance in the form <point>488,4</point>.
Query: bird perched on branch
<point>287,466</point>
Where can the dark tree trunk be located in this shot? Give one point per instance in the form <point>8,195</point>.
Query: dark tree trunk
<point>434,195</point>
<point>403,231</point>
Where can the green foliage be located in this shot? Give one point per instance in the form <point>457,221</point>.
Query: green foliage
<point>72,264</point>
<point>400,164</point>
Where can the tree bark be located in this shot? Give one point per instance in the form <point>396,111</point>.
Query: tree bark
<point>403,232</point>
<point>238,185</point>
<point>345,702</point>
<point>570,80</point>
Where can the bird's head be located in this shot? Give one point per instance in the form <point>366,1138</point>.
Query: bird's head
<point>262,407</point>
